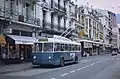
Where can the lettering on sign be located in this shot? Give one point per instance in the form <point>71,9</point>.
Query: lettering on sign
<point>42,40</point>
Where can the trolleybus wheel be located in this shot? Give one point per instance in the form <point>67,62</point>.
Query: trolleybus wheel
<point>76,59</point>
<point>62,62</point>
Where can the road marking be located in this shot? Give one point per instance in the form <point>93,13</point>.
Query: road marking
<point>72,71</point>
<point>118,58</point>
<point>92,64</point>
<point>64,74</point>
<point>79,69</point>
<point>82,68</point>
<point>52,78</point>
<point>86,60</point>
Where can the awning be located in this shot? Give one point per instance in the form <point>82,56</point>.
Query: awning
<point>86,41</point>
<point>23,39</point>
<point>2,40</point>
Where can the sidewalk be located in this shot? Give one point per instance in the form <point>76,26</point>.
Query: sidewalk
<point>14,67</point>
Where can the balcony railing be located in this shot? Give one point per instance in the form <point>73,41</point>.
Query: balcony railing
<point>18,16</point>
<point>45,4</point>
<point>55,5</point>
<point>58,9</point>
<point>62,8</point>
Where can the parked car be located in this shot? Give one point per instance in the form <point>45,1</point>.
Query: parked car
<point>114,53</point>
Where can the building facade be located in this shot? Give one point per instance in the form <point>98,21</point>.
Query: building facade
<point>31,19</point>
<point>22,30</point>
<point>23,21</point>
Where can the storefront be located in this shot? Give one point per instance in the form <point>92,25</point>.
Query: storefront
<point>18,50</point>
<point>7,46</point>
<point>94,49</point>
<point>86,47</point>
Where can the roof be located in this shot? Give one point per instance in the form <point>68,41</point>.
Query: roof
<point>58,39</point>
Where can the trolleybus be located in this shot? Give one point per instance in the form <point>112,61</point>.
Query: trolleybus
<point>56,51</point>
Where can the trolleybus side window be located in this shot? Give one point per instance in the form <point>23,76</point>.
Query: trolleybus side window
<point>62,47</point>
<point>72,47</point>
<point>67,47</point>
<point>59,47</point>
<point>48,47</point>
<point>76,47</point>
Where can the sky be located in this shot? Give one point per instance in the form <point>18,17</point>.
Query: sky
<point>112,5</point>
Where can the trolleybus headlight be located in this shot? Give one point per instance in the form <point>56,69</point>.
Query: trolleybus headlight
<point>34,57</point>
<point>50,57</point>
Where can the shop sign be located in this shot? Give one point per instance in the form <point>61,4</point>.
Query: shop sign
<point>2,40</point>
<point>82,33</point>
<point>42,40</point>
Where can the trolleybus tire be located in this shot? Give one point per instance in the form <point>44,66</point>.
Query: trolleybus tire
<point>76,59</point>
<point>62,62</point>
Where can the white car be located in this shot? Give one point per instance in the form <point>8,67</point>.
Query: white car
<point>114,53</point>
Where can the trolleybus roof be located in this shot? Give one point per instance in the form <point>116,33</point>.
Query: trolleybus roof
<point>57,39</point>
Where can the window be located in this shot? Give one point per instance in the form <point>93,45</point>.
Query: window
<point>24,33</point>
<point>58,47</point>
<point>73,48</point>
<point>48,47</point>
<point>62,47</point>
<point>37,47</point>
<point>44,0</point>
<point>15,32</point>
<point>16,2</point>
<point>67,47</point>
<point>78,48</point>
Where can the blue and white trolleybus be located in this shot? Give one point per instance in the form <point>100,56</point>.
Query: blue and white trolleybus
<point>55,51</point>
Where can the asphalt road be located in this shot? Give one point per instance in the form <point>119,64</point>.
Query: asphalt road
<point>97,67</point>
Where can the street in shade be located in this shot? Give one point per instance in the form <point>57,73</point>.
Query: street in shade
<point>94,67</point>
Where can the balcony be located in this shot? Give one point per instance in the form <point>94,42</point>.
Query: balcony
<point>61,8</point>
<point>19,17</point>
<point>79,24</point>
<point>44,4</point>
<point>58,9</point>
<point>55,5</point>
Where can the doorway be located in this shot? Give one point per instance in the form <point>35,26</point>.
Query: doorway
<point>28,53</point>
